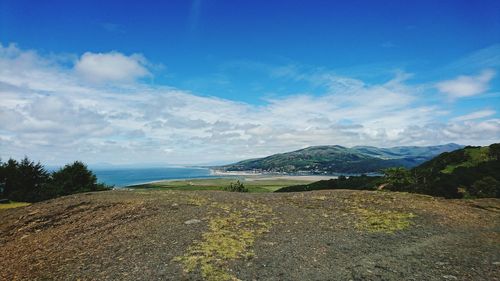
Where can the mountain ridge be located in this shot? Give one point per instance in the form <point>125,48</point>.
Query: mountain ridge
<point>325,159</point>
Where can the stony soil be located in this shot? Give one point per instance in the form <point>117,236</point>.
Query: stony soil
<point>212,235</point>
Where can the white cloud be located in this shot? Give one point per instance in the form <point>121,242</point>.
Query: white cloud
<point>475,115</point>
<point>50,114</point>
<point>466,86</point>
<point>113,66</point>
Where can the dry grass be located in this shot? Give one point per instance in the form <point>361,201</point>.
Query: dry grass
<point>13,205</point>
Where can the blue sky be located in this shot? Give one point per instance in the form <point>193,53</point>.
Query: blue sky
<point>202,81</point>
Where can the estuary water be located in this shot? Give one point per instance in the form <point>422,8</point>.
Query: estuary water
<point>120,177</point>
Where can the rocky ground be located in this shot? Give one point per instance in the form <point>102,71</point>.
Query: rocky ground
<point>213,235</point>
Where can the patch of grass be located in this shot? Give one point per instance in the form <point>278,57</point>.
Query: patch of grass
<point>383,221</point>
<point>12,204</point>
<point>230,237</point>
<point>320,198</point>
<point>475,156</point>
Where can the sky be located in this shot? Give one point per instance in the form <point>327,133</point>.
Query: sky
<point>212,81</point>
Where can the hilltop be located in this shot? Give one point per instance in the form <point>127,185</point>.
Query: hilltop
<point>340,159</point>
<point>212,235</point>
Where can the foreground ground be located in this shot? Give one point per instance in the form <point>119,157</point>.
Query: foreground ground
<point>213,235</point>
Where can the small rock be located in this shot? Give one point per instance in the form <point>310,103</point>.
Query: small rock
<point>496,263</point>
<point>192,221</point>
<point>175,206</point>
<point>450,277</point>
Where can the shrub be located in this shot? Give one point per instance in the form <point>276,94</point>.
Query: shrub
<point>235,187</point>
<point>485,187</point>
<point>398,179</point>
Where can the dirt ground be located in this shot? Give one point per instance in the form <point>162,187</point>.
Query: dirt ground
<point>213,235</point>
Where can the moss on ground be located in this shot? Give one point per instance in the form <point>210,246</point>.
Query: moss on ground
<point>230,236</point>
<point>383,221</point>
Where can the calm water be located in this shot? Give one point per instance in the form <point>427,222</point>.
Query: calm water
<point>128,176</point>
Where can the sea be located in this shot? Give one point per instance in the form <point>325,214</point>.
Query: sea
<point>121,177</point>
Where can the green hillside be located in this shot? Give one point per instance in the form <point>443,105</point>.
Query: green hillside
<point>339,159</point>
<point>471,171</point>
<point>467,172</point>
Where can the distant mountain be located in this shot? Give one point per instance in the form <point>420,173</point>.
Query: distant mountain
<point>340,159</point>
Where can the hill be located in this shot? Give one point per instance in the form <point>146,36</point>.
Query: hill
<point>467,172</point>
<point>471,171</point>
<point>213,235</point>
<point>339,159</point>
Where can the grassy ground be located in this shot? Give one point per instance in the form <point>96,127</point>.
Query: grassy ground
<point>162,234</point>
<point>12,204</point>
<point>253,184</point>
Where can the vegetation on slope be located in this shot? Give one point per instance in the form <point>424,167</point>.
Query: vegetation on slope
<point>28,181</point>
<point>472,171</point>
<point>339,159</point>
<point>362,182</point>
<point>468,172</point>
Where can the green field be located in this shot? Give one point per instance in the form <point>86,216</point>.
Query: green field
<point>253,184</point>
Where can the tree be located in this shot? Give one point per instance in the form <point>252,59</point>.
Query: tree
<point>485,187</point>
<point>494,151</point>
<point>2,179</point>
<point>74,178</point>
<point>397,178</point>
<point>24,181</point>
<point>236,187</point>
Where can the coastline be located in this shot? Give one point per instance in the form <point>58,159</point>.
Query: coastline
<point>244,175</point>
<point>252,176</point>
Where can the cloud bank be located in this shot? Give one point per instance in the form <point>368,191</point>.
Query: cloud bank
<point>98,110</point>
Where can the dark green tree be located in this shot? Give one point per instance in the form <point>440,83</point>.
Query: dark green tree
<point>8,176</point>
<point>24,181</point>
<point>494,151</point>
<point>485,187</point>
<point>397,178</point>
<point>2,179</point>
<point>74,178</point>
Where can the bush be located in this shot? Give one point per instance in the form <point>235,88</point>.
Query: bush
<point>485,187</point>
<point>235,187</point>
<point>397,179</point>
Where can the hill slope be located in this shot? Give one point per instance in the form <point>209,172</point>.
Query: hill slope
<point>466,168</point>
<point>339,159</point>
<point>203,235</point>
<point>470,172</point>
